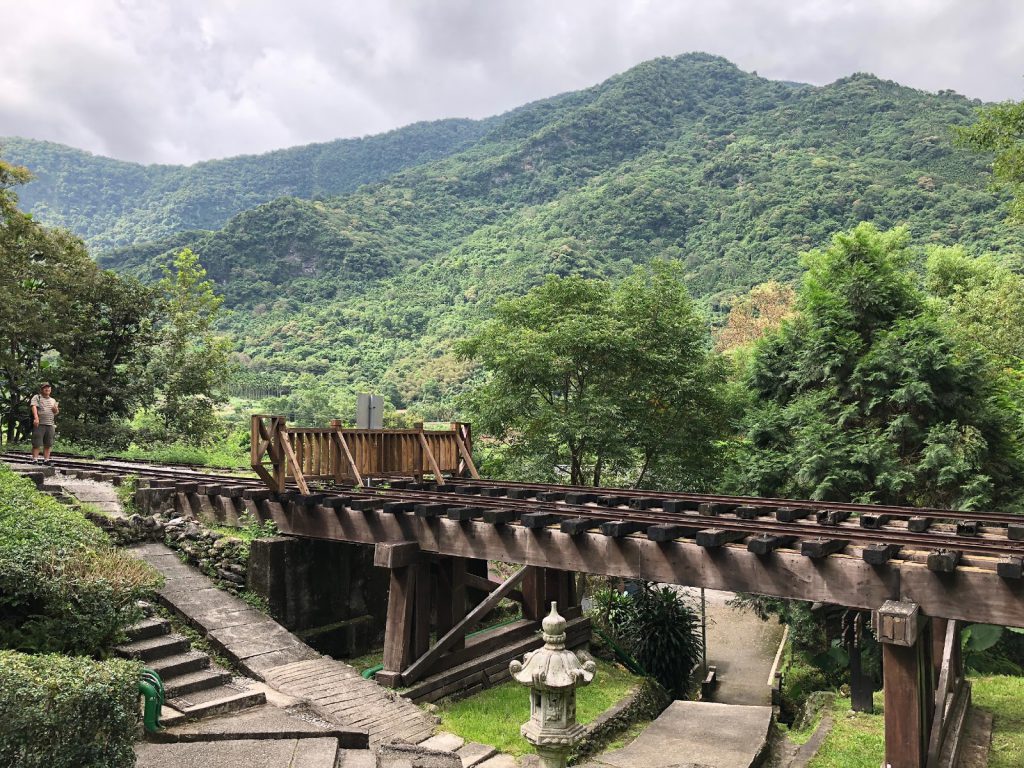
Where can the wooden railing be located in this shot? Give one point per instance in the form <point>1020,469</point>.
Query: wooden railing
<point>281,454</point>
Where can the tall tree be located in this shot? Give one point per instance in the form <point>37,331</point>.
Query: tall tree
<point>190,362</point>
<point>864,395</point>
<point>602,381</point>
<point>1000,129</point>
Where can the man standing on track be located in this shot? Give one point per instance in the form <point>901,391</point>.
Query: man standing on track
<point>44,411</point>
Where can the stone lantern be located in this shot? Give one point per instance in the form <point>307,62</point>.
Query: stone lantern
<point>552,674</point>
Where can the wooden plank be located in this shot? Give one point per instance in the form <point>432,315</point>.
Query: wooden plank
<point>417,669</point>
<point>438,476</point>
<point>664,532</point>
<point>1010,567</point>
<point>919,524</point>
<point>343,444</point>
<point>296,469</point>
<point>536,520</point>
<point>451,594</point>
<point>464,513</point>
<point>500,516</point>
<point>679,505</point>
<point>874,522</point>
<point>791,514</point>
<point>398,629</point>
<point>466,455</point>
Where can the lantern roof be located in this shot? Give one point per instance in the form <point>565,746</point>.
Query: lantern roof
<point>553,667</point>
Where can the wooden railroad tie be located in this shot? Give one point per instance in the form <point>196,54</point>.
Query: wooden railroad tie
<point>619,528</point>
<point>711,538</point>
<point>521,493</point>
<point>501,516</point>
<point>832,517</point>
<point>464,514</point>
<point>715,508</point>
<point>365,505</point>
<point>336,502</point>
<point>643,502</point>
<point>577,525</point>
<point>580,498</point>
<point>879,554</point>
<point>767,543</point>
<point>679,505</point>
<point>612,501</point>
<point>750,512</point>
<point>494,492</point>
<point>537,520</point>
<point>430,510</point>
<point>791,514</point>
<point>968,528</point>
<point>665,532</point>
<point>551,496</point>
<point>874,522</point>
<point>919,524</point>
<point>398,507</point>
<point>819,548</point>
<point>1011,567</point>
<point>943,560</point>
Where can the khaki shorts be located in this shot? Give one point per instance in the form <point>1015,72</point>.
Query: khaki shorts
<point>42,436</point>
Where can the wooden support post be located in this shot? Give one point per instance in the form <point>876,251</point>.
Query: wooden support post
<point>861,689</point>
<point>343,447</point>
<point>907,672</point>
<point>422,609</point>
<point>451,596</point>
<point>398,630</point>
<point>534,594</point>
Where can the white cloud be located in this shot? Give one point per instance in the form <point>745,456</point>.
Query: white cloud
<point>195,79</point>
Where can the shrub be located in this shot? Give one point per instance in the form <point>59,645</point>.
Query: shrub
<point>63,587</point>
<point>67,712</point>
<point>659,628</point>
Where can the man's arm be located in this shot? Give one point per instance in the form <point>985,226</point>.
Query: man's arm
<point>56,408</point>
<point>35,415</point>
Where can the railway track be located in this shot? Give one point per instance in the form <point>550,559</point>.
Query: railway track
<point>943,539</point>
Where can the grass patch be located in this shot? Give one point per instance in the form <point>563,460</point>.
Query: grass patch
<point>1003,696</point>
<point>493,716</point>
<point>857,740</point>
<point>367,660</point>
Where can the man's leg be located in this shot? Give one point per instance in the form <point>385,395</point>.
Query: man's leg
<point>37,441</point>
<point>48,441</point>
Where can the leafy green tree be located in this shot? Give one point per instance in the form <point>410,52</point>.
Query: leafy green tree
<point>63,318</point>
<point>1000,129</point>
<point>863,395</point>
<point>603,381</point>
<point>190,361</point>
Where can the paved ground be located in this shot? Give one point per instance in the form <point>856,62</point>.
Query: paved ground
<point>251,753</point>
<point>694,734</point>
<point>742,647</point>
<point>267,651</point>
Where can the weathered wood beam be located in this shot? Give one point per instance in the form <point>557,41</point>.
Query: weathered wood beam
<point>422,665</point>
<point>465,452</point>
<point>975,595</point>
<point>438,477</point>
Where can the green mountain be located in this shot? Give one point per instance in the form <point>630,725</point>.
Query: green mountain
<point>686,158</point>
<point>110,202</point>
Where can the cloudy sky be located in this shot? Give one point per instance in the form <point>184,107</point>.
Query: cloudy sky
<point>185,80</point>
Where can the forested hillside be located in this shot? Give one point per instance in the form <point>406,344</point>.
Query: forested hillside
<point>686,158</point>
<point>110,202</point>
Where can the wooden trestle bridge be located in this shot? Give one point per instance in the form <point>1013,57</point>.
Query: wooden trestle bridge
<point>922,573</point>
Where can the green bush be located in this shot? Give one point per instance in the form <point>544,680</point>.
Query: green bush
<point>67,712</point>
<point>658,628</point>
<point>63,586</point>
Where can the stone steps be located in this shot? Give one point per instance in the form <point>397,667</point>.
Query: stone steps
<point>216,701</point>
<point>183,663</point>
<point>150,627</point>
<point>154,648</point>
<point>204,679</point>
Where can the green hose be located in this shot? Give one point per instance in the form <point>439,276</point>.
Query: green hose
<point>152,689</point>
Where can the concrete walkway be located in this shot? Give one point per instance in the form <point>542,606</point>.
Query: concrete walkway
<point>264,649</point>
<point>695,734</point>
<point>742,647</point>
